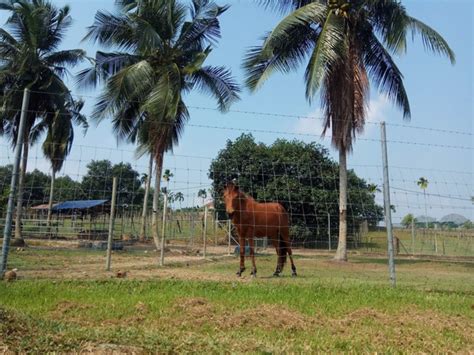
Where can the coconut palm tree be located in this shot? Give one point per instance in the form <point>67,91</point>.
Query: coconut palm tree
<point>373,188</point>
<point>159,51</point>
<point>29,58</point>
<point>59,140</point>
<point>179,197</point>
<point>423,184</point>
<point>147,181</point>
<point>202,194</point>
<point>347,43</point>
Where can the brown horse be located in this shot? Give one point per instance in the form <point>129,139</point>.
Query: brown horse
<point>253,219</point>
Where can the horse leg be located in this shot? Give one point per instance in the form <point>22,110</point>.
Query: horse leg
<point>279,250</point>
<point>293,267</point>
<point>242,253</point>
<point>252,255</point>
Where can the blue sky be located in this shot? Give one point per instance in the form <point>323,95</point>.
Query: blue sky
<point>441,98</point>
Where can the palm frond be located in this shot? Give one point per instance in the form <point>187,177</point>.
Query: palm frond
<point>218,82</point>
<point>111,30</point>
<point>204,27</point>
<point>285,47</point>
<point>284,6</point>
<point>389,19</point>
<point>432,40</point>
<point>384,72</point>
<point>70,57</point>
<point>327,51</point>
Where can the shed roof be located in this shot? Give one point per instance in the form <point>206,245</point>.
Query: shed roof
<point>78,205</point>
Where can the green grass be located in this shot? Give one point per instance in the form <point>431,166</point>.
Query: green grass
<point>328,307</point>
<point>433,242</point>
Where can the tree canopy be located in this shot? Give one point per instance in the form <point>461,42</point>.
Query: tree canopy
<point>301,176</point>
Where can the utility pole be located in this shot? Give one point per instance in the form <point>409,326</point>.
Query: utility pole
<point>7,232</point>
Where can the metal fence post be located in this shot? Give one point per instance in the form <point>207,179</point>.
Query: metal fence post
<point>204,233</point>
<point>229,232</point>
<point>388,214</point>
<point>7,231</point>
<point>163,230</point>
<point>329,230</point>
<point>413,236</point>
<point>111,224</point>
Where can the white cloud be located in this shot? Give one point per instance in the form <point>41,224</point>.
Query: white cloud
<point>376,112</point>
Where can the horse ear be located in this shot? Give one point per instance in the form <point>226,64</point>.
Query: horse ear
<point>235,184</point>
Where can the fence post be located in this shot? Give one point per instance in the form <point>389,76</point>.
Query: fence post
<point>413,236</point>
<point>216,221</point>
<point>7,231</point>
<point>111,224</point>
<point>204,233</point>
<point>329,230</point>
<point>229,232</point>
<point>388,212</point>
<point>163,230</point>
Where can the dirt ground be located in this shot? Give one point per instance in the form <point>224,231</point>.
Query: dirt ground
<point>44,259</point>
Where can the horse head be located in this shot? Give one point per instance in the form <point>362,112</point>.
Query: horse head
<point>232,197</point>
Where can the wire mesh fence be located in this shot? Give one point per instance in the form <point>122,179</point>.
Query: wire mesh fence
<point>428,220</point>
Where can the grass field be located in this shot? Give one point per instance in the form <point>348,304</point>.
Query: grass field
<point>64,301</point>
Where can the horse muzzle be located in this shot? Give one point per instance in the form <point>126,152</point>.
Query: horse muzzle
<point>231,214</point>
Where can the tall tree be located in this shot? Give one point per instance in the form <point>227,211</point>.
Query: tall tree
<point>423,184</point>
<point>348,43</point>
<point>202,194</point>
<point>29,58</point>
<point>160,48</point>
<point>59,140</point>
<point>298,175</point>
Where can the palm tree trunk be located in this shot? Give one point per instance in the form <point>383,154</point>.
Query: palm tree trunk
<point>156,198</point>
<point>21,182</point>
<point>145,199</point>
<point>341,253</point>
<point>51,198</point>
<point>426,210</point>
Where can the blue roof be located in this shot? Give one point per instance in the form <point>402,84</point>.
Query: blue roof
<point>78,205</point>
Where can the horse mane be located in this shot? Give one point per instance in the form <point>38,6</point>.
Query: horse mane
<point>246,196</point>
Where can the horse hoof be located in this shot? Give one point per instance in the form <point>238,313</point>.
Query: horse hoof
<point>276,274</point>
<point>294,274</point>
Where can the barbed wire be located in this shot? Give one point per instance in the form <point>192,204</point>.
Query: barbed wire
<point>272,114</point>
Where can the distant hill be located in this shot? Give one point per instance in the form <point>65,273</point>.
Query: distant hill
<point>454,218</point>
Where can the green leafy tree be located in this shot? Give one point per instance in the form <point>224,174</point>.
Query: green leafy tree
<point>373,188</point>
<point>160,50</point>
<point>300,176</point>
<point>68,189</point>
<point>29,58</point>
<point>35,189</point>
<point>408,220</point>
<point>6,172</point>
<point>347,43</point>
<point>97,183</point>
<point>468,225</point>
